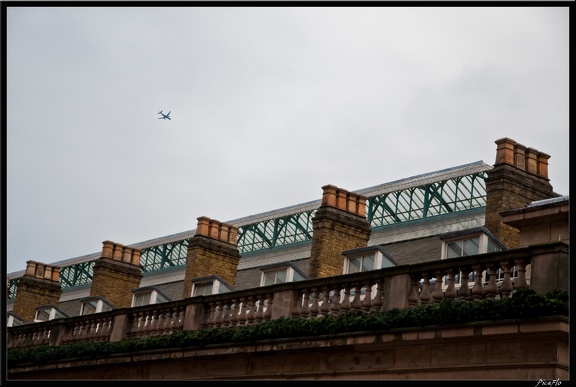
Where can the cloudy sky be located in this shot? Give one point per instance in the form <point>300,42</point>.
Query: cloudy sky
<point>268,105</point>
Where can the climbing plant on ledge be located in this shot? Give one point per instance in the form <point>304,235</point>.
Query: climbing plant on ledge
<point>525,303</point>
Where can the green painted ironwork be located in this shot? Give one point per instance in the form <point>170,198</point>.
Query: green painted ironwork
<point>438,198</point>
<point>276,232</point>
<point>12,286</point>
<point>164,256</point>
<point>77,275</point>
<point>443,197</point>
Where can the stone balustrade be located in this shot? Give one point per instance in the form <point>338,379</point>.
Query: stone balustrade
<point>379,290</point>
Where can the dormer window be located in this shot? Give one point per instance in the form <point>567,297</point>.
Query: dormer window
<point>458,245</point>
<point>279,273</point>
<point>91,305</point>
<point>47,313</point>
<point>468,244</point>
<point>12,320</point>
<point>366,259</point>
<point>148,295</point>
<point>205,286</point>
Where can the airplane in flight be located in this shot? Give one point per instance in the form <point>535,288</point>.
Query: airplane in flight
<point>165,116</point>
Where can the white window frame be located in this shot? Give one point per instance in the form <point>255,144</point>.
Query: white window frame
<point>97,309</point>
<point>377,254</point>
<point>289,274</point>
<point>215,287</point>
<point>52,314</point>
<point>154,296</point>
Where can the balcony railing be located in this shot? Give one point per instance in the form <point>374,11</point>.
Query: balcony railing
<point>380,290</point>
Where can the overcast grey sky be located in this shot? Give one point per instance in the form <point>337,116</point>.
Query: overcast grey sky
<point>268,105</point>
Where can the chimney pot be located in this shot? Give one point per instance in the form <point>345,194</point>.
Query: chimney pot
<point>532,161</point>
<point>543,165</point>
<point>329,195</point>
<point>520,156</point>
<point>107,248</point>
<point>505,151</point>
<point>203,226</point>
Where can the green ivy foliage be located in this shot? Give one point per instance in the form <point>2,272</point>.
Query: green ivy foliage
<point>525,303</point>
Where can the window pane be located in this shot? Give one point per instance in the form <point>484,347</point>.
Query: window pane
<point>202,289</point>
<point>269,278</point>
<point>43,315</point>
<point>281,276</point>
<point>297,276</point>
<point>354,265</point>
<point>454,249</point>
<point>368,263</point>
<point>89,308</point>
<point>138,300</point>
<point>471,246</point>
<point>492,246</point>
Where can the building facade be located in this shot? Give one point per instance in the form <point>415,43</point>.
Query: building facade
<point>411,230</point>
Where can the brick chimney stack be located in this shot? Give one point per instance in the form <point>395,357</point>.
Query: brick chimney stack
<point>116,273</point>
<point>213,250</point>
<point>519,177</point>
<point>339,224</point>
<point>40,285</point>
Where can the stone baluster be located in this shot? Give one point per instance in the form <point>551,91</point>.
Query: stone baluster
<point>521,278</point>
<point>367,301</point>
<point>250,316</point>
<point>227,312</point>
<point>425,296</point>
<point>477,289</point>
<point>492,287</point>
<point>209,322</point>
<point>153,317</point>
<point>91,329</point>
<point>259,316</point>
<point>325,308</point>
<point>438,293</point>
<point>234,313</point>
<point>268,311</point>
<point>171,315</point>
<point>180,315</point>
<point>242,315</point>
<point>305,310</point>
<point>218,315</point>
<point>506,286</point>
<point>356,302</point>
<point>314,304</point>
<point>166,327</point>
<point>377,300</point>
<point>296,304</point>
<point>450,292</point>
<point>464,290</point>
<point>106,327</point>
<point>82,333</point>
<point>345,304</point>
<point>414,296</point>
<point>335,305</point>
